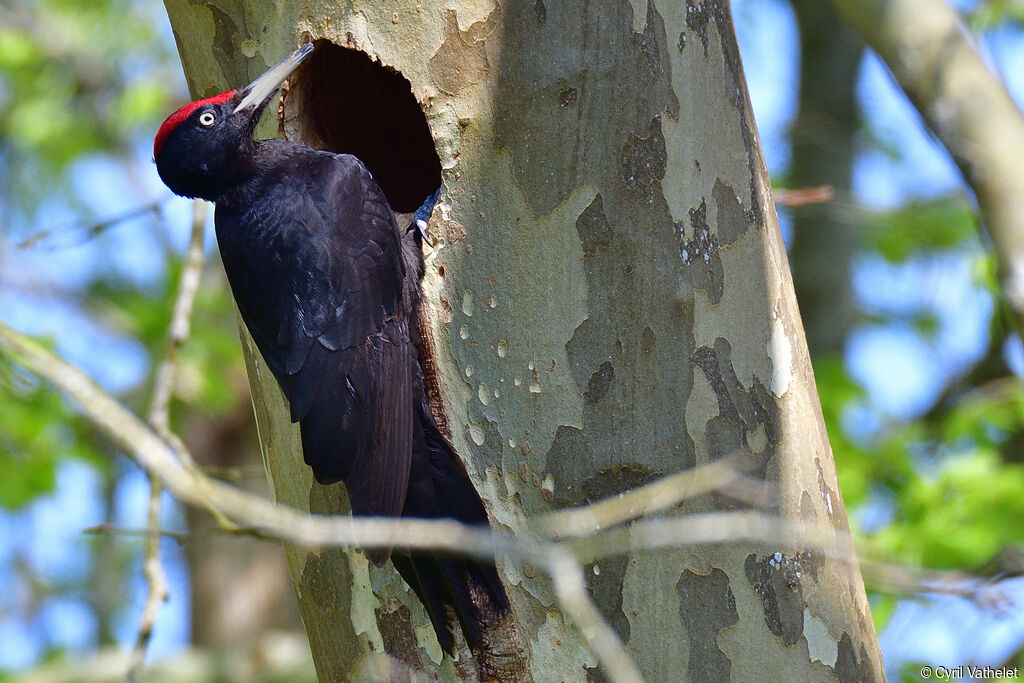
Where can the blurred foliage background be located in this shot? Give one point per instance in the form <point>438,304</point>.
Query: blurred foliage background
<point>917,364</point>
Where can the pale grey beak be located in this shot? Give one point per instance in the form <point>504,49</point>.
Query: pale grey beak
<point>259,91</point>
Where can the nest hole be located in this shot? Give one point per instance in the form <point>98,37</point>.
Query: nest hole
<point>346,102</point>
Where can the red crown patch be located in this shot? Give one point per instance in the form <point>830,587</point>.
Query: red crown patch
<point>175,119</point>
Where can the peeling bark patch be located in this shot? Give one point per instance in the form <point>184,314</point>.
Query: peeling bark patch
<point>614,480</point>
<point>554,152</point>
<point>776,580</point>
<point>830,498</point>
<point>707,605</point>
<point>732,220</point>
<point>807,512</point>
<point>697,17</point>
<point>724,433</point>
<point>541,11</point>
<point>704,244</point>
<point>647,42</point>
<point>754,212</point>
<point>605,586</point>
<point>606,582</point>
<point>593,228</point>
<point>740,411</point>
<point>599,382</point>
<point>848,668</point>
<point>399,638</point>
<point>701,253</point>
<point>821,645</point>
<point>764,411</point>
<point>642,162</point>
<point>329,591</point>
<point>583,348</point>
<point>462,58</point>
<point>810,562</point>
<point>705,359</point>
<point>226,41</point>
<point>617,428</point>
<point>569,448</point>
<point>315,580</point>
<point>781,352</point>
<point>485,442</point>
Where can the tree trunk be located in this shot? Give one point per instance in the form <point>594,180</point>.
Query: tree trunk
<point>824,236</point>
<point>938,65</point>
<point>609,301</point>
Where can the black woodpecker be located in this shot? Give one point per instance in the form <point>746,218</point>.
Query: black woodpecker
<point>329,286</point>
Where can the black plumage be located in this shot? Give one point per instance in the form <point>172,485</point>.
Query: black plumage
<point>328,285</point>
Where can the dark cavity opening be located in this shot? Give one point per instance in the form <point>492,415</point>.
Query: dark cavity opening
<point>348,103</point>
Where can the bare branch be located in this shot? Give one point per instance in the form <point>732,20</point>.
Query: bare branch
<point>159,419</point>
<point>968,107</point>
<point>234,473</point>
<point>180,326</point>
<point>985,593</point>
<point>156,581</point>
<point>724,475</point>
<point>89,231</point>
<point>230,503</point>
<point>777,533</point>
<point>601,637</point>
<point>803,196</point>
<point>101,529</point>
<point>244,512</point>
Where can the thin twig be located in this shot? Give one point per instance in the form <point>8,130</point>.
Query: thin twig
<point>178,331</point>
<point>228,503</point>
<point>159,419</point>
<point>156,581</point>
<point>802,196</point>
<point>602,639</point>
<point>723,475</point>
<point>243,512</point>
<point>110,529</point>
<point>93,229</point>
<point>778,533</point>
<point>985,593</point>
<point>236,473</point>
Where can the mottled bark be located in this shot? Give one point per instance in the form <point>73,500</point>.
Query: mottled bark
<point>609,301</point>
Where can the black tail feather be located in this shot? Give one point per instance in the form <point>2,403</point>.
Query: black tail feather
<point>443,584</point>
<point>439,487</point>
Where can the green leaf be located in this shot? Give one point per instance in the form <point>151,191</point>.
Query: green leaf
<point>938,224</point>
<point>882,607</point>
<point>38,431</point>
<point>139,103</point>
<point>17,51</point>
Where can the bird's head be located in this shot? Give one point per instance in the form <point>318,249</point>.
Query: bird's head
<point>200,150</point>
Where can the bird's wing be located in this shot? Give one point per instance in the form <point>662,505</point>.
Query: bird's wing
<point>319,284</point>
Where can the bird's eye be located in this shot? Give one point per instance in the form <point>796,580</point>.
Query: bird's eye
<point>207,118</point>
